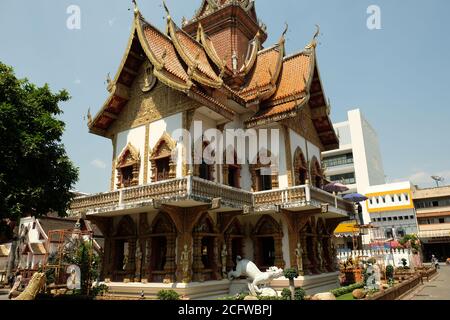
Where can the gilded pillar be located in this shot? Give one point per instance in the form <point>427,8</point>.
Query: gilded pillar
<point>279,261</point>
<point>170,266</point>
<point>197,265</point>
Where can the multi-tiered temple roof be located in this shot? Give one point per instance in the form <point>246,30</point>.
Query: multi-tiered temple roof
<point>217,59</point>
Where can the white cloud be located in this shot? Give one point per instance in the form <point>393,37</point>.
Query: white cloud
<point>424,177</point>
<point>77,81</point>
<point>111,22</point>
<point>98,164</point>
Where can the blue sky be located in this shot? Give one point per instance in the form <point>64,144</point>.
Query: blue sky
<point>398,76</point>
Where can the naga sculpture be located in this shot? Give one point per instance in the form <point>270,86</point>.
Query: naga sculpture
<point>258,280</point>
<point>35,285</point>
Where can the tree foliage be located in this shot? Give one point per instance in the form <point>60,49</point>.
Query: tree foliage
<point>36,175</point>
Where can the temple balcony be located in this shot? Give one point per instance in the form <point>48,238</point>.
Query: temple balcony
<point>193,191</point>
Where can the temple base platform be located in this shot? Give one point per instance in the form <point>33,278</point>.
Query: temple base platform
<point>213,290</point>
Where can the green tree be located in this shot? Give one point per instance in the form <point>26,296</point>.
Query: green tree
<point>291,274</point>
<point>36,175</point>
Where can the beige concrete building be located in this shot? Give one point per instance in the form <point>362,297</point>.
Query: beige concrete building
<point>433,214</point>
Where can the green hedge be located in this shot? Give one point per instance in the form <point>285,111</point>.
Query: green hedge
<point>299,294</point>
<point>168,295</point>
<point>344,290</point>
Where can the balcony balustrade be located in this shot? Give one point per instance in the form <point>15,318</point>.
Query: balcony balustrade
<point>203,191</point>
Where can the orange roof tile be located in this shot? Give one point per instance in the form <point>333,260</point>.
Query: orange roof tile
<point>196,52</point>
<point>164,50</point>
<point>294,76</point>
<point>271,113</point>
<point>259,79</point>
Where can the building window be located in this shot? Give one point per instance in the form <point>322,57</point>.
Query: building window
<point>232,171</point>
<point>383,199</point>
<point>127,176</point>
<point>233,176</point>
<point>389,233</point>
<point>411,217</point>
<point>384,219</point>
<point>264,181</point>
<point>162,169</point>
<point>393,199</point>
<point>395,218</point>
<point>378,200</point>
<point>406,197</point>
<point>204,171</point>
<point>401,218</point>
<point>441,220</point>
<point>371,202</point>
<point>389,218</point>
<point>399,198</point>
<point>300,168</point>
<point>400,233</point>
<point>348,178</point>
<point>339,160</point>
<point>128,168</point>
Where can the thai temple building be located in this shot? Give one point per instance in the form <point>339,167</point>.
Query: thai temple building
<point>173,221</point>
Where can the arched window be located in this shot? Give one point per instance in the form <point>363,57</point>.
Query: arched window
<point>263,176</point>
<point>163,166</point>
<point>232,171</point>
<point>316,173</point>
<point>300,168</point>
<point>202,169</point>
<point>128,165</point>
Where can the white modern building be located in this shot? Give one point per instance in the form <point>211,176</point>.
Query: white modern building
<point>357,164</point>
<point>391,210</point>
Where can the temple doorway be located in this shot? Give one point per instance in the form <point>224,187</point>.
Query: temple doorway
<point>124,249</point>
<point>205,263</point>
<point>161,251</point>
<point>267,238</point>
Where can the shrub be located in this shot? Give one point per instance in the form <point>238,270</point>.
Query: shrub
<point>344,290</point>
<point>237,297</point>
<point>404,263</point>
<point>168,295</point>
<point>390,272</point>
<point>299,294</point>
<point>272,298</point>
<point>100,290</point>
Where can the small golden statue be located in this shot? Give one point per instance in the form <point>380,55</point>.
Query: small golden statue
<point>299,256</point>
<point>185,260</point>
<point>224,255</point>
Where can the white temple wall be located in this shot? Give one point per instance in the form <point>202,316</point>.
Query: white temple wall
<point>299,141</point>
<point>158,128</point>
<point>136,137</point>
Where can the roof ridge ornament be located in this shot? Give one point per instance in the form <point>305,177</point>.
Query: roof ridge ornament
<point>166,8</point>
<point>313,43</point>
<point>136,8</point>
<point>283,35</point>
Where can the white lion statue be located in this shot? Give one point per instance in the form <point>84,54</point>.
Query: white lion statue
<point>258,280</point>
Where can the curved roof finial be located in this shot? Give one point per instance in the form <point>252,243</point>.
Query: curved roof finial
<point>316,35</point>
<point>136,8</point>
<point>283,35</point>
<point>165,8</point>
<point>313,43</point>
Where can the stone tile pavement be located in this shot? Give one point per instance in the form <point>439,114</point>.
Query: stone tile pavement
<point>437,289</point>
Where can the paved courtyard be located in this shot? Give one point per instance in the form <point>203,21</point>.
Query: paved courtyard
<point>437,289</point>
<point>3,294</point>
